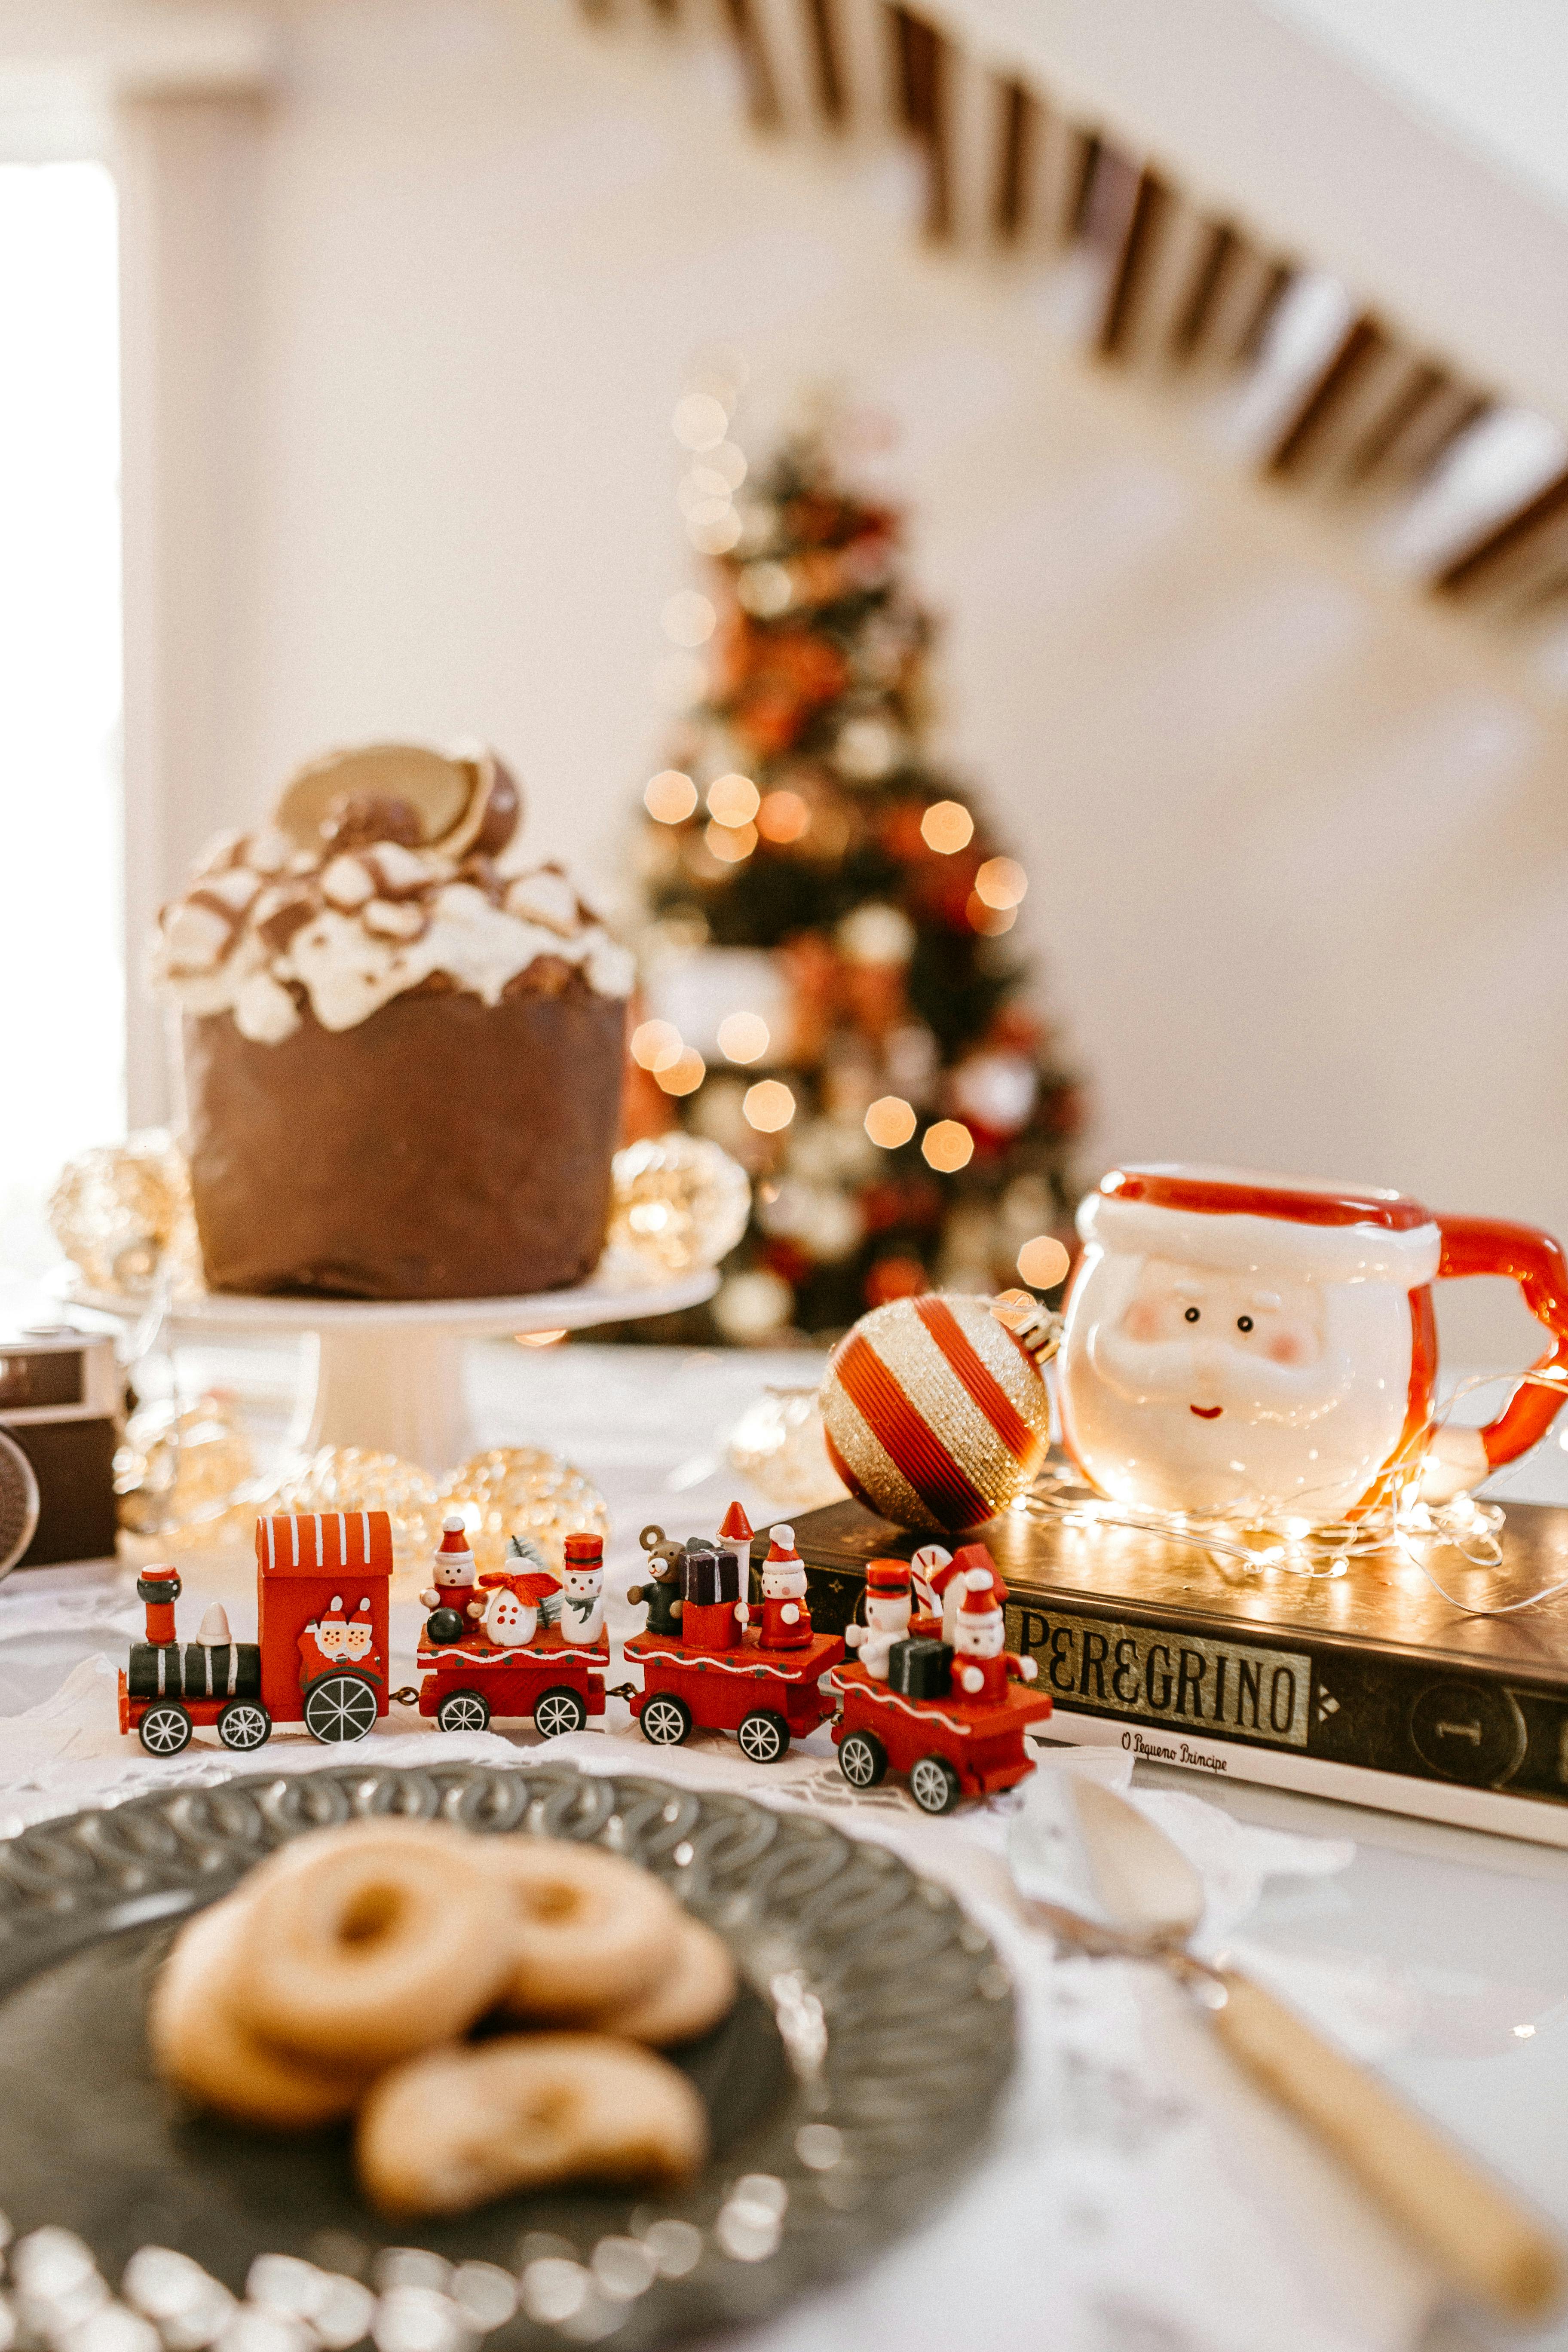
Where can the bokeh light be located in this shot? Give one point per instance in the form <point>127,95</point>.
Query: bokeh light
<point>743,1038</point>
<point>866,748</point>
<point>1000,882</point>
<point>685,1074</point>
<point>989,920</point>
<point>700,421</point>
<point>753,1305</point>
<point>689,618</point>
<point>734,799</point>
<point>656,1046</point>
<point>946,826</point>
<point>891,1121</point>
<point>948,1146</point>
<point>766,590</point>
<point>876,933</point>
<point>731,844</point>
<point>728,463</point>
<point>714,528</point>
<point>769,1106</point>
<point>1043,1262</point>
<point>783,817</point>
<point>670,796</point>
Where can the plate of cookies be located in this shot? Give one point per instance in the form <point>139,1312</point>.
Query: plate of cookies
<point>431,2056</point>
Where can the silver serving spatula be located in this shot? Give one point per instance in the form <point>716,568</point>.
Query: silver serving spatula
<point>1482,2239</point>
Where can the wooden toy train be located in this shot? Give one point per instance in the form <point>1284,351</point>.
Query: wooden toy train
<point>319,1656</point>
<point>933,1694</point>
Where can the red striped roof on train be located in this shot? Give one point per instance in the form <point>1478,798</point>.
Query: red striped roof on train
<point>320,1543</point>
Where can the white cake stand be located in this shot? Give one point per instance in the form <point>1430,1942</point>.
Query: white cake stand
<point>388,1374</point>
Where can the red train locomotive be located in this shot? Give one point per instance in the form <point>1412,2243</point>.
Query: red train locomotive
<point>707,1666</point>
<point>320,1655</point>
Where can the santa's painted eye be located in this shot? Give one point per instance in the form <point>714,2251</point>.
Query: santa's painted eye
<point>1244,1322</point>
<point>1192,1315</point>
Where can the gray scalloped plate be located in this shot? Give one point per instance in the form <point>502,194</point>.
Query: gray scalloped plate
<point>858,2074</point>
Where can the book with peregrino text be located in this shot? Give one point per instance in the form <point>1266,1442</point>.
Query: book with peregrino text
<point>1369,1686</point>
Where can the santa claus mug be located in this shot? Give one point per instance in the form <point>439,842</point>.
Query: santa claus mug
<point>1246,1344</point>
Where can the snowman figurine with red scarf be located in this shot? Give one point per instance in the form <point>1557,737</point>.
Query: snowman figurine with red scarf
<point>981,1666</point>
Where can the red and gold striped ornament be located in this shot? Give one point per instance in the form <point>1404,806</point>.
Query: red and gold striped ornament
<point>934,1413</point>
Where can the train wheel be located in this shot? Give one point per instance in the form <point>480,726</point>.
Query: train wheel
<point>764,1735</point>
<point>340,1708</point>
<point>244,1723</point>
<point>464,1710</point>
<point>560,1709</point>
<point>666,1720</point>
<point>165,1729</point>
<point>934,1785</point>
<point>862,1759</point>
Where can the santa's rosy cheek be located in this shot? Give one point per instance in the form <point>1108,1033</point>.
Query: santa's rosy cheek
<point>1141,1320</point>
<point>1289,1347</point>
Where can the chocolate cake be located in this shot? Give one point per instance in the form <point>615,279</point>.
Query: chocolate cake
<point>403,1043</point>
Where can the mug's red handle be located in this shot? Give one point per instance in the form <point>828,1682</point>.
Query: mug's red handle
<point>1532,1259</point>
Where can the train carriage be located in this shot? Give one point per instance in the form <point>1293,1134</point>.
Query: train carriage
<point>709,1663</point>
<point>947,1746</point>
<point>468,1684</point>
<point>766,1697</point>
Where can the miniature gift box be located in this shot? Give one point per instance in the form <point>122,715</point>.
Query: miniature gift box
<point>711,1594</point>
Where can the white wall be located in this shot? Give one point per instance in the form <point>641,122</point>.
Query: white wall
<point>1299,843</point>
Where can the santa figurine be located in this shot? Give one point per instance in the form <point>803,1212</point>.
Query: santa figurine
<point>335,1640</point>
<point>887,1615</point>
<point>786,1620</point>
<point>455,1585</point>
<point>583,1591</point>
<point>981,1666</point>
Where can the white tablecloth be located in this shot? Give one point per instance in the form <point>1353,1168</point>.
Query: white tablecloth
<point>1138,2196</point>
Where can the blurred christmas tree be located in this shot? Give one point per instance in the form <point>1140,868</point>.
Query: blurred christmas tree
<point>830,989</point>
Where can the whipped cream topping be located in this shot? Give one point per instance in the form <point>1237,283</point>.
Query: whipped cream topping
<point>266,928</point>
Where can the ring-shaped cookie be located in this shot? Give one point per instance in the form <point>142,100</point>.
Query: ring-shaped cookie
<point>374,1946</point>
<point>687,1999</point>
<point>590,1930</point>
<point>201,2047</point>
<point>449,2131</point>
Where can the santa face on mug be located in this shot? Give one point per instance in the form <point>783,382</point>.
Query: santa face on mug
<point>1240,1362</point>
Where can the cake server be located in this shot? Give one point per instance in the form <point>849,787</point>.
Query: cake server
<point>1482,2238</point>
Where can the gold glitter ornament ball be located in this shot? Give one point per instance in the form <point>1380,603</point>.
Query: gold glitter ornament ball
<point>681,1201</point>
<point>122,1214</point>
<point>520,1490</point>
<point>181,1465</point>
<point>934,1414</point>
